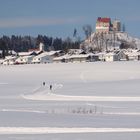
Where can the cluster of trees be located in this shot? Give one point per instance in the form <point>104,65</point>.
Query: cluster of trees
<point>24,43</point>
<point>99,42</point>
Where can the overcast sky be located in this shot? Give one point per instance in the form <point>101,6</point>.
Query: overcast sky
<point>58,18</point>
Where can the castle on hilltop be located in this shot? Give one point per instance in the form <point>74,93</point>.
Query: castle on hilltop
<point>104,25</point>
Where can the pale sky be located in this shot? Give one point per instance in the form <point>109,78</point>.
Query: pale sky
<point>58,18</point>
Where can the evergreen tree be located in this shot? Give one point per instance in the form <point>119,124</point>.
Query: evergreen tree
<point>3,48</point>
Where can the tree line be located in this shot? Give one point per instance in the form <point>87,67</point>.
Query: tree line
<point>24,43</point>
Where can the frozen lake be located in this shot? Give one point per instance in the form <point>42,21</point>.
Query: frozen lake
<point>87,101</point>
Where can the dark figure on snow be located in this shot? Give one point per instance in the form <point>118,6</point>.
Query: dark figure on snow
<point>50,87</point>
<point>43,83</point>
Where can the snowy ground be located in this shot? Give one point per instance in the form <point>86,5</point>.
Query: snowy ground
<point>88,101</point>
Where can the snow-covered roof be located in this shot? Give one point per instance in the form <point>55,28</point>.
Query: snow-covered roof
<point>79,56</point>
<point>52,52</point>
<point>132,53</point>
<point>100,53</point>
<point>75,51</point>
<point>10,57</point>
<point>62,57</point>
<point>42,55</point>
<point>24,57</point>
<point>24,53</point>
<point>110,54</point>
<point>12,51</point>
<point>72,56</point>
<point>46,54</point>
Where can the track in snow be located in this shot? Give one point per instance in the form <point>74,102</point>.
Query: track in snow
<point>56,130</point>
<point>44,93</point>
<point>55,97</point>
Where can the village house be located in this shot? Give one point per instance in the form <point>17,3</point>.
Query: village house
<point>100,56</point>
<point>21,54</point>
<point>95,57</point>
<point>27,57</point>
<point>46,57</point>
<point>111,56</point>
<point>79,58</point>
<point>24,59</point>
<point>63,59</point>
<point>9,60</point>
<point>116,55</point>
<point>76,51</point>
<point>43,58</point>
<point>121,55</point>
<point>132,54</point>
<point>75,58</point>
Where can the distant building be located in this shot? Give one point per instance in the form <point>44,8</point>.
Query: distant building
<point>9,60</point>
<point>103,25</point>
<point>41,47</point>
<point>24,59</point>
<point>46,57</point>
<point>116,25</point>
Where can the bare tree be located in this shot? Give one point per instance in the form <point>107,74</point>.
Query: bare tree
<point>87,30</point>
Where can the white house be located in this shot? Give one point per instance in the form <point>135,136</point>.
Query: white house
<point>9,60</point>
<point>121,55</point>
<point>24,59</point>
<point>45,57</point>
<point>111,57</point>
<point>75,51</point>
<point>79,58</point>
<point>100,56</point>
<point>64,58</point>
<point>132,54</point>
<point>74,58</point>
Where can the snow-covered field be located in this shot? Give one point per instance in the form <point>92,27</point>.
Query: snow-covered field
<point>88,101</point>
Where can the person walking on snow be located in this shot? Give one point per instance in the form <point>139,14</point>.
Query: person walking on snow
<point>43,83</point>
<point>50,87</point>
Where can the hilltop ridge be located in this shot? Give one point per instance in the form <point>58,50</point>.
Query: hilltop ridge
<point>110,41</point>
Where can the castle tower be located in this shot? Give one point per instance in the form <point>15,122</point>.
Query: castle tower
<point>116,25</point>
<point>103,25</point>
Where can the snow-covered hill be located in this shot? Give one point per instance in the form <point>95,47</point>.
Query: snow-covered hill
<point>111,40</point>
<point>126,37</point>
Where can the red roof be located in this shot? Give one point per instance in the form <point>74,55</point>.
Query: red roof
<point>107,20</point>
